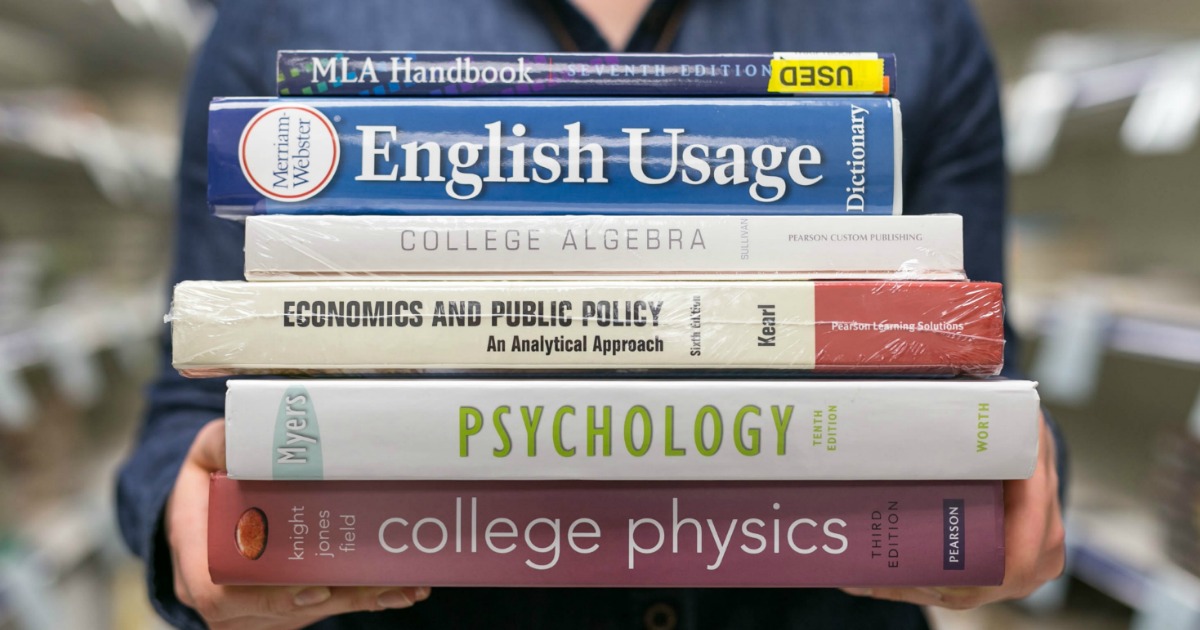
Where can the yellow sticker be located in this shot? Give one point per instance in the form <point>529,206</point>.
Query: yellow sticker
<point>862,76</point>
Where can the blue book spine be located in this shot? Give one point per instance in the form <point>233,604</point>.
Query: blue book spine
<point>424,73</point>
<point>554,156</point>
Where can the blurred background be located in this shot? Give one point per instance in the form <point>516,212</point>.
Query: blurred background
<point>1102,111</point>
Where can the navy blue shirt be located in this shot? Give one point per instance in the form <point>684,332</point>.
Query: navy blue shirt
<point>952,163</point>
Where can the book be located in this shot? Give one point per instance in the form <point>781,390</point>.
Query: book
<point>827,326</point>
<point>554,156</point>
<point>666,430</point>
<point>443,533</point>
<point>447,74</point>
<point>286,247</point>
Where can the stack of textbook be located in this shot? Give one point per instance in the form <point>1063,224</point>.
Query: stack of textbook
<point>603,289</point>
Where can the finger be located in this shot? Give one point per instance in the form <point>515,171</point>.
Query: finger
<point>919,596</point>
<point>307,617</point>
<point>294,622</point>
<point>182,593</point>
<point>964,598</point>
<point>188,536</point>
<point>1025,535</point>
<point>352,599</point>
<point>1033,542</point>
<point>280,605</point>
<point>187,533</point>
<point>1033,525</point>
<point>951,598</point>
<point>208,449</point>
<point>229,604</point>
<point>1054,556</point>
<point>266,623</point>
<point>186,520</point>
<point>219,604</point>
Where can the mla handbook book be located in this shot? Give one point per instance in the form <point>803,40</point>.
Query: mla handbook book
<point>449,74</point>
<point>646,534</point>
<point>654,429</point>
<point>829,326</point>
<point>554,156</point>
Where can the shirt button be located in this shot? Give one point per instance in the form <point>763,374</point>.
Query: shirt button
<point>660,616</point>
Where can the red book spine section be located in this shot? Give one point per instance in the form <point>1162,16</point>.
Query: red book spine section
<point>656,534</point>
<point>919,327</point>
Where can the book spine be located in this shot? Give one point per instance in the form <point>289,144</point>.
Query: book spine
<point>833,326</point>
<point>631,430</point>
<point>605,534</point>
<point>281,247</point>
<point>554,156</point>
<point>448,74</point>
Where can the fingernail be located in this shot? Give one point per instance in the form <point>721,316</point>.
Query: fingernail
<point>934,593</point>
<point>860,592</point>
<point>396,598</point>
<point>312,596</point>
<point>423,592</point>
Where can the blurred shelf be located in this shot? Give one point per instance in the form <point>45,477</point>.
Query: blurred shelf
<point>1120,551</point>
<point>126,165</point>
<point>1158,77</point>
<point>66,336</point>
<point>116,39</point>
<point>1136,335</point>
<point>1117,551</point>
<point>64,533</point>
<point>1156,339</point>
<point>1104,343</point>
<point>1085,318</point>
<point>55,541</point>
<point>88,326</point>
<point>19,44</point>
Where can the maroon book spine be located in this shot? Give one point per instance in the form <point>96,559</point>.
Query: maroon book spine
<point>915,327</point>
<point>647,534</point>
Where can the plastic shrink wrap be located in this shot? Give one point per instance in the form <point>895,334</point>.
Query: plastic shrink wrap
<point>282,247</point>
<point>848,327</point>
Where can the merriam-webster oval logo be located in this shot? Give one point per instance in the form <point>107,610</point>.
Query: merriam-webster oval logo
<point>289,152</point>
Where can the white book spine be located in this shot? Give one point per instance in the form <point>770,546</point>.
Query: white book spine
<point>282,247</point>
<point>629,430</point>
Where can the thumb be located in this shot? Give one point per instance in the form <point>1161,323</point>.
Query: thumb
<point>208,449</point>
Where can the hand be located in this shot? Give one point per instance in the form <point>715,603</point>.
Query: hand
<point>233,607</point>
<point>1034,545</point>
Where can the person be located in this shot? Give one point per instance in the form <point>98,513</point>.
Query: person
<point>952,163</point>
